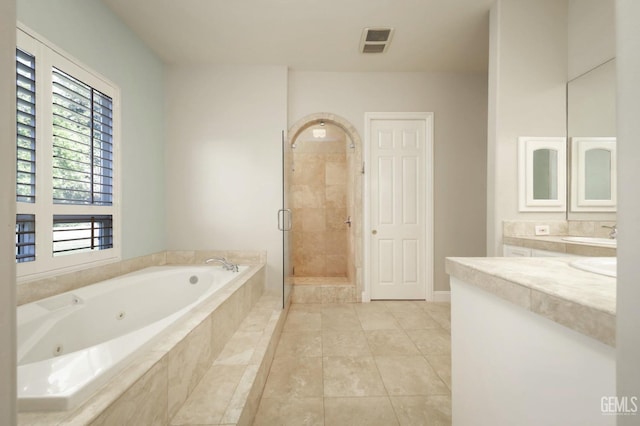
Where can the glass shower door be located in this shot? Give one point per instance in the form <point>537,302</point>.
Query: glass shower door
<point>285,222</point>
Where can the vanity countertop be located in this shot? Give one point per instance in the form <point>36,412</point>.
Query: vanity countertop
<point>557,244</point>
<point>548,286</point>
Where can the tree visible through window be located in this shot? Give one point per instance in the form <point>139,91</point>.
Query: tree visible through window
<point>82,143</point>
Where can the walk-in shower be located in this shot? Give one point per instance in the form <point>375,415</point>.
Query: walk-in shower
<point>325,197</point>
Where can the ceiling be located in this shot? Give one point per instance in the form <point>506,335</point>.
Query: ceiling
<point>319,35</point>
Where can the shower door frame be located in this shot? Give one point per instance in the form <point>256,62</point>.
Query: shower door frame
<point>285,222</point>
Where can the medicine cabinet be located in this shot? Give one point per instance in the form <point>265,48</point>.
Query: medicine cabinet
<point>542,171</point>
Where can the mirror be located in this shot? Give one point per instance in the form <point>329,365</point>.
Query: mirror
<point>541,172</point>
<point>545,174</point>
<point>597,171</point>
<point>591,128</point>
<point>593,174</point>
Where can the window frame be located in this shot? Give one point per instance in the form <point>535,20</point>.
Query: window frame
<point>47,56</point>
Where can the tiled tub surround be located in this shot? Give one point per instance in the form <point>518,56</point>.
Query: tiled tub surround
<point>582,301</point>
<point>158,381</point>
<point>230,390</point>
<point>89,334</point>
<point>522,234</point>
<point>31,291</point>
<point>537,328</point>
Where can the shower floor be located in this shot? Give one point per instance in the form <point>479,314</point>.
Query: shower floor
<point>323,290</point>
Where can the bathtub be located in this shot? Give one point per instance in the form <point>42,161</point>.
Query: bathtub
<point>71,344</point>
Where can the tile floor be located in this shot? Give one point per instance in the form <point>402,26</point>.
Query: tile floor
<point>378,363</point>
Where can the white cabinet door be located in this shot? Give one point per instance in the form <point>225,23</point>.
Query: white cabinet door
<point>547,253</point>
<point>508,362</point>
<point>515,251</point>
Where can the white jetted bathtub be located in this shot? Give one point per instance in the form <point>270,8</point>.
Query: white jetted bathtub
<point>71,344</point>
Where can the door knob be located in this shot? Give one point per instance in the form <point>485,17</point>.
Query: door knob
<point>374,232</point>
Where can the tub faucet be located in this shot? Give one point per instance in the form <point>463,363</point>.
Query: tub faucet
<point>225,263</point>
<point>614,231</point>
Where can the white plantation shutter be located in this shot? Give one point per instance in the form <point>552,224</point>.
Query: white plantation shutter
<point>25,127</point>
<point>25,238</point>
<point>82,143</point>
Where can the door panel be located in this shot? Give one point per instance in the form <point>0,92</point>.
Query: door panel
<point>410,191</point>
<point>410,260</point>
<point>386,260</point>
<point>397,185</point>
<point>385,194</point>
<point>410,139</point>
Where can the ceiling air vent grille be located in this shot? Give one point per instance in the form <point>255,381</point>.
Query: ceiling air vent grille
<point>375,40</point>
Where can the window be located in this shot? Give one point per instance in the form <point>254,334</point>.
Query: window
<point>82,143</point>
<point>66,162</point>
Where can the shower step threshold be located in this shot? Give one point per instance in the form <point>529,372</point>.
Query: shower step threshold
<point>334,281</point>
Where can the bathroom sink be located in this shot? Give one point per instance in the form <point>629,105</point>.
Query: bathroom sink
<point>599,265</point>
<point>592,240</point>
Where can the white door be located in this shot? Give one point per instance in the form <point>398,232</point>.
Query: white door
<point>400,181</point>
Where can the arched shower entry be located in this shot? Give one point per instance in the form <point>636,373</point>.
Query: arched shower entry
<point>324,189</point>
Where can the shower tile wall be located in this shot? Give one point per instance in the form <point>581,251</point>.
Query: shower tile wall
<point>319,203</point>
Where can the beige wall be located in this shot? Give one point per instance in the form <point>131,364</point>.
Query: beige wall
<point>458,101</point>
<point>628,290</point>
<point>591,35</point>
<point>7,214</point>
<point>224,161</point>
<point>527,97</point>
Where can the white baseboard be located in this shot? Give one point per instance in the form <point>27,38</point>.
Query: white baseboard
<point>438,296</point>
<point>442,296</point>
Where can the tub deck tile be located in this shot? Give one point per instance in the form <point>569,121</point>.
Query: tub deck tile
<point>144,403</point>
<point>208,402</point>
<point>239,349</point>
<point>188,362</point>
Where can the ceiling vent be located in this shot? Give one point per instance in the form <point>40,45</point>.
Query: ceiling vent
<point>375,40</point>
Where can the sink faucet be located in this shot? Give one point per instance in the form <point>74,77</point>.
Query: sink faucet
<point>614,231</point>
<point>225,263</point>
